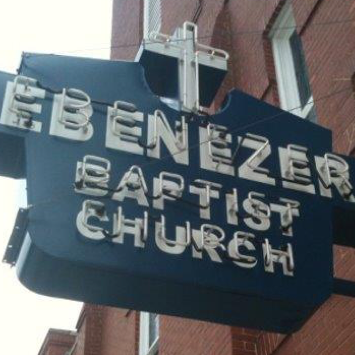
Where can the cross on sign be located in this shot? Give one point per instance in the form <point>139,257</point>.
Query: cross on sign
<point>195,71</point>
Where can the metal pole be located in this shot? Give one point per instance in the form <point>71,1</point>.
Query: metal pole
<point>344,287</point>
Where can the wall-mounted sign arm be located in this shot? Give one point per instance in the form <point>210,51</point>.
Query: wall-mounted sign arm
<point>344,287</point>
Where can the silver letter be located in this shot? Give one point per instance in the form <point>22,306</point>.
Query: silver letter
<point>258,210</point>
<point>132,185</point>
<point>284,257</point>
<point>251,168</point>
<point>91,209</point>
<point>174,187</point>
<point>206,190</point>
<point>294,166</point>
<point>92,176</point>
<point>137,227</point>
<point>122,129</point>
<point>177,144</point>
<point>215,155</point>
<point>20,103</point>
<point>334,171</point>
<point>71,115</point>
<point>242,239</point>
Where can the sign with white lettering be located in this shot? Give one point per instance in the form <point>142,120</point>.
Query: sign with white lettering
<point>225,218</point>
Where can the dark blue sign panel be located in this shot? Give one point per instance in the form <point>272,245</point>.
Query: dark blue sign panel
<point>225,218</point>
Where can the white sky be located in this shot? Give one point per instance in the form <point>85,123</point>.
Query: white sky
<point>64,27</point>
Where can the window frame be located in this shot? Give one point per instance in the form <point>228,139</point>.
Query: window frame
<point>152,17</point>
<point>286,78</point>
<point>144,348</point>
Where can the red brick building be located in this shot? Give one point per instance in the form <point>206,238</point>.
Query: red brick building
<point>58,342</point>
<point>299,55</point>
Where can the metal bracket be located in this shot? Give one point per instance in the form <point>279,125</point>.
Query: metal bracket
<point>17,237</point>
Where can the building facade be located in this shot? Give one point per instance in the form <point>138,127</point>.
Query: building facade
<point>299,55</point>
<point>58,342</point>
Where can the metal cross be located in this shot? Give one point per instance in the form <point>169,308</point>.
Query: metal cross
<point>193,57</point>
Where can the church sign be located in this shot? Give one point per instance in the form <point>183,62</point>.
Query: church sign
<point>227,218</point>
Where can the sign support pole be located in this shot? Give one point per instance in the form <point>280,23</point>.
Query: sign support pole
<point>344,287</point>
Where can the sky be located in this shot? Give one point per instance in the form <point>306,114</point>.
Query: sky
<point>69,27</point>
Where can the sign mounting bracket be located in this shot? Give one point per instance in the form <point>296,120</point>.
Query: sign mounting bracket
<point>344,287</point>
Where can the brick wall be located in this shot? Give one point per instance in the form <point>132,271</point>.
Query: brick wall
<point>188,337</point>
<point>57,342</point>
<point>242,27</point>
<point>106,331</point>
<point>120,332</point>
<point>90,331</point>
<point>127,29</point>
